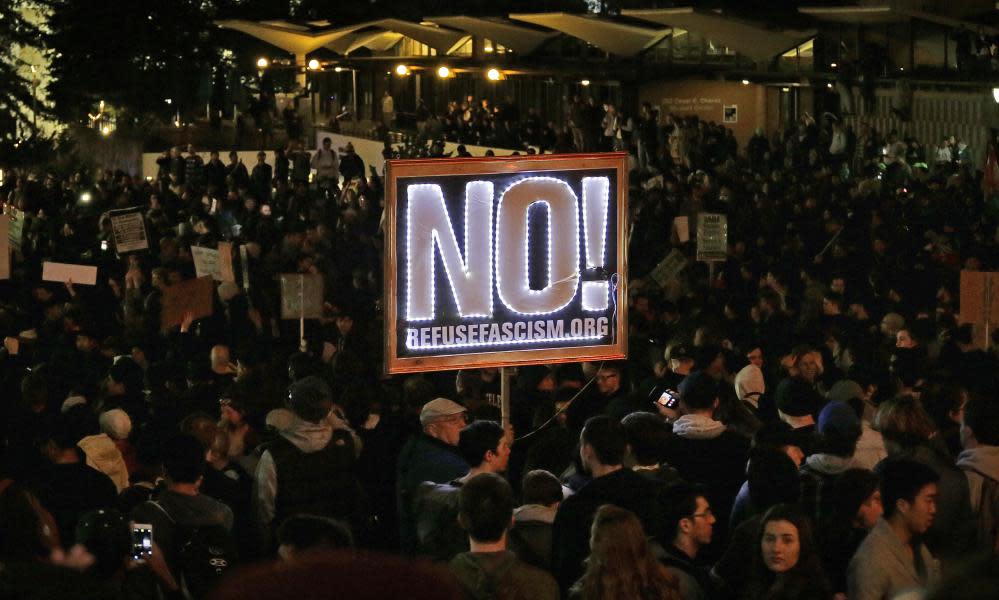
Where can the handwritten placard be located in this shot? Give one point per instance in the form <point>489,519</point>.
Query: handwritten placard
<point>301,296</point>
<point>193,295</point>
<point>66,272</point>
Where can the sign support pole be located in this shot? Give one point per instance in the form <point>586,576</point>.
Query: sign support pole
<point>506,374</point>
<point>301,312</point>
<point>988,309</point>
<point>244,259</point>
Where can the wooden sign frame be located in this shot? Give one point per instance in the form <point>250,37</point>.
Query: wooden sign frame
<point>505,166</point>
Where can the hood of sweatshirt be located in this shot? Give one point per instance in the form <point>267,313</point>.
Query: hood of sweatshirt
<point>983,460</point>
<point>749,384</point>
<point>534,512</point>
<point>698,427</point>
<point>829,464</point>
<point>308,437</point>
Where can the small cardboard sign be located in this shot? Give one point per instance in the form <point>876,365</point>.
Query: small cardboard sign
<point>129,229</point>
<point>65,272</point>
<point>301,296</point>
<point>980,303</point>
<point>669,268</point>
<point>216,264</point>
<point>712,237</point>
<point>193,295</point>
<point>4,247</point>
<point>682,227</point>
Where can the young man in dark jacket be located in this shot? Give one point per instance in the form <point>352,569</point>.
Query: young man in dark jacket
<point>489,571</point>
<point>704,451</point>
<point>602,446</point>
<point>483,444</point>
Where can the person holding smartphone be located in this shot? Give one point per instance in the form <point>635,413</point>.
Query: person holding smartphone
<point>124,555</point>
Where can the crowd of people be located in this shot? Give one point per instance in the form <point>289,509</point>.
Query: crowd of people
<point>586,126</point>
<point>808,420</point>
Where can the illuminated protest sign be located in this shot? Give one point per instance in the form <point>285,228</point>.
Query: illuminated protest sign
<point>504,261</point>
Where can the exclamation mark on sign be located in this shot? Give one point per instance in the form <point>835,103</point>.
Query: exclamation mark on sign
<point>596,192</point>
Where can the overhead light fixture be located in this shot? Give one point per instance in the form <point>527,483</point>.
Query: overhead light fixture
<point>401,70</point>
<point>313,65</point>
<point>833,65</point>
<point>443,72</point>
<point>829,85</point>
<point>585,82</point>
<point>745,82</point>
<point>105,131</point>
<point>262,63</point>
<point>493,74</point>
<point>785,89</point>
<point>338,69</point>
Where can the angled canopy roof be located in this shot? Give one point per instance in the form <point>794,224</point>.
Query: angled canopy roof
<point>382,34</point>
<point>522,40</point>
<point>856,15</point>
<point>874,15</point>
<point>610,36</point>
<point>750,39</point>
<point>441,39</point>
<point>377,40</point>
<point>290,38</point>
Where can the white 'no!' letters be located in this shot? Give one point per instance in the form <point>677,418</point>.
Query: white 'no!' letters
<point>429,226</point>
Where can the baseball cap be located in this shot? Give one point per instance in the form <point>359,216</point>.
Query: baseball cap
<point>439,408</point>
<point>838,418</point>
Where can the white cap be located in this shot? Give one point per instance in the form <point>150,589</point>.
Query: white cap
<point>116,423</point>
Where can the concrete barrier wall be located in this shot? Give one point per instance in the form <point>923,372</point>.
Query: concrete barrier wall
<point>370,152</point>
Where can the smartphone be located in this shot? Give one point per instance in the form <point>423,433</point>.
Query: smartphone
<point>668,399</point>
<point>142,540</point>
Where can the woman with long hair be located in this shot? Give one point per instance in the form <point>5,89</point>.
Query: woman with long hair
<point>621,565</point>
<point>786,564</point>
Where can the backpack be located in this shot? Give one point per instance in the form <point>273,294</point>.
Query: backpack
<point>204,555</point>
<point>481,584</point>
<point>988,514</point>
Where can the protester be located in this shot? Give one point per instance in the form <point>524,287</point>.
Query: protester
<point>486,447</point>
<point>489,571</point>
<point>687,529</point>
<point>530,538</point>
<point>621,564</point>
<point>822,273</point>
<point>910,433</point>
<point>892,558</point>
<point>980,463</point>
<point>431,455</point>
<point>703,450</point>
<point>854,509</point>
<point>786,564</point>
<point>601,449</point>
